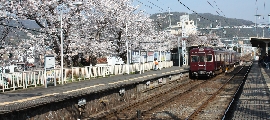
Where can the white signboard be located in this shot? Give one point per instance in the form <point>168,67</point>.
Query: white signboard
<point>156,56</point>
<point>150,56</point>
<point>168,56</point>
<point>143,56</point>
<point>135,57</point>
<point>114,60</point>
<point>49,62</point>
<point>49,70</point>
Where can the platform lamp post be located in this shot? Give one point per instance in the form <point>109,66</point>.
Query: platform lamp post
<point>62,43</point>
<point>127,68</point>
<point>138,21</point>
<point>61,37</point>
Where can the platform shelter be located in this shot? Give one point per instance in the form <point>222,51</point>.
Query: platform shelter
<point>262,43</point>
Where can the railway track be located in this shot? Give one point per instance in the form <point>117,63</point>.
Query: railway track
<point>196,101</point>
<point>220,100</point>
<point>189,100</point>
<point>205,102</point>
<point>138,109</point>
<point>131,112</point>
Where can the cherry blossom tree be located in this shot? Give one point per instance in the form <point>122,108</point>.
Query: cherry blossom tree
<point>94,27</point>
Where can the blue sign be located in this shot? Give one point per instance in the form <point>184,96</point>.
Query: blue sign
<point>135,57</point>
<point>156,56</point>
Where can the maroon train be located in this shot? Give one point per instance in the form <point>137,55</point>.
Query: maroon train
<point>210,61</point>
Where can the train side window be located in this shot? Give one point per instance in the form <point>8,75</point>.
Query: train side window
<point>209,58</point>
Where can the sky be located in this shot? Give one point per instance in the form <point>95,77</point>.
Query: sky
<point>240,9</point>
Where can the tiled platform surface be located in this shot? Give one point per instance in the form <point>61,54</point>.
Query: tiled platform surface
<point>21,99</point>
<point>254,102</point>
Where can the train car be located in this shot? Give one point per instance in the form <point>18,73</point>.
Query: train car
<point>210,61</point>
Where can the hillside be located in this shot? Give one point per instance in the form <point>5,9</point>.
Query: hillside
<point>10,34</point>
<point>205,23</point>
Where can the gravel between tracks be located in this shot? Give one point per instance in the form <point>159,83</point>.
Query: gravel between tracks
<point>184,105</point>
<point>180,102</point>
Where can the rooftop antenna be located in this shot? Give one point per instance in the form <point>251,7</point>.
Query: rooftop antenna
<point>170,17</point>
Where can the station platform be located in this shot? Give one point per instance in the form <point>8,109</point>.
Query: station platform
<point>254,102</point>
<point>32,97</point>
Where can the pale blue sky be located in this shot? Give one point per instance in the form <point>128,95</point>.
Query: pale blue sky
<point>241,9</point>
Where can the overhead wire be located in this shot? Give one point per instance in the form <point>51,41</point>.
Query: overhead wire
<point>219,12</point>
<point>196,13</point>
<point>160,9</point>
<point>168,7</point>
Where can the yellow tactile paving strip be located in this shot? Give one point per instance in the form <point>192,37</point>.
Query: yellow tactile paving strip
<point>83,88</point>
<point>27,99</point>
<point>266,78</point>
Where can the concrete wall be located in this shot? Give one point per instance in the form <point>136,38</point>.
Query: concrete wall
<point>97,103</point>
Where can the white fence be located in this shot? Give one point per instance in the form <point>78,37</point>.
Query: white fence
<point>25,79</point>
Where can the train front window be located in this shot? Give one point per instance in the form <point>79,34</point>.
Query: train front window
<point>209,58</point>
<point>194,58</point>
<point>202,58</point>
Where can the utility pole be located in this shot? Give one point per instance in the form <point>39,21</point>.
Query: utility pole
<point>62,44</point>
<point>159,27</point>
<point>183,19</point>
<point>179,55</point>
<point>127,48</point>
<point>256,21</point>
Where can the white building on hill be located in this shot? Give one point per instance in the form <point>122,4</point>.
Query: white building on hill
<point>184,23</point>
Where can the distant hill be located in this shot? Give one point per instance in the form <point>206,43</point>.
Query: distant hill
<point>204,23</point>
<point>10,33</point>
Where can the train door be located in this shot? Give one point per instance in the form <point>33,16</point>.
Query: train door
<point>217,59</point>
<point>222,60</point>
<point>194,59</point>
<point>209,60</point>
<point>202,61</point>
<point>231,58</point>
<point>226,58</point>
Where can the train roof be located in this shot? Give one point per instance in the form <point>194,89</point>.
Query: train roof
<point>212,49</point>
<point>201,49</point>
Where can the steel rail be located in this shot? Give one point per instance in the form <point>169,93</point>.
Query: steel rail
<point>193,114</point>
<point>173,97</point>
<point>235,94</point>
<point>136,104</point>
